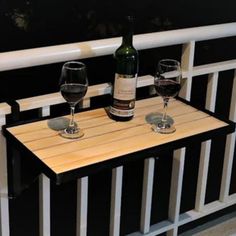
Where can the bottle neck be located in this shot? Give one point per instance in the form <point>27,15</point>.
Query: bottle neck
<point>127,38</point>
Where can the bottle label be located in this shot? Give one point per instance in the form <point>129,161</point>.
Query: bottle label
<point>124,95</point>
<point>121,113</point>
<point>125,87</point>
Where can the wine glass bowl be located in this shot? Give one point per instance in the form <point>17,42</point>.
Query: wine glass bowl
<point>167,84</point>
<point>73,87</point>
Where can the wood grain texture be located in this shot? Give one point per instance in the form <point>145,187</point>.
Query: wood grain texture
<point>106,139</point>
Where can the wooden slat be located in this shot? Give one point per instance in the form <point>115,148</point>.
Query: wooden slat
<point>146,139</point>
<point>47,144</point>
<point>88,116</point>
<point>4,109</point>
<point>37,126</point>
<point>99,135</point>
<point>28,133</point>
<point>111,139</point>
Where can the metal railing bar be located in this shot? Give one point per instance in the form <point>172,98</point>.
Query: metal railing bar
<point>56,98</point>
<point>94,48</point>
<point>214,67</point>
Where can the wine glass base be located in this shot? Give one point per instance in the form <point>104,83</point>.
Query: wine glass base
<point>72,135</point>
<point>155,118</point>
<point>163,130</point>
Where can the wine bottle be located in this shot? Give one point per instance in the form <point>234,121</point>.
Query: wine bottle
<point>125,81</point>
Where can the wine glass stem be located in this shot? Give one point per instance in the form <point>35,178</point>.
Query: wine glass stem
<point>72,112</point>
<point>164,116</point>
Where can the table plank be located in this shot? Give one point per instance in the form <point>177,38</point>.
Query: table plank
<point>146,139</point>
<point>106,139</point>
<point>105,135</point>
<point>35,133</point>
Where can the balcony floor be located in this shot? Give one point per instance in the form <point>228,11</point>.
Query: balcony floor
<point>223,226</point>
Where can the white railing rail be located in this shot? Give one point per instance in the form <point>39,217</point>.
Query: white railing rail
<point>187,38</point>
<point>59,53</point>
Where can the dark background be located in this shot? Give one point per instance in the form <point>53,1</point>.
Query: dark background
<point>37,23</point>
<point>34,23</point>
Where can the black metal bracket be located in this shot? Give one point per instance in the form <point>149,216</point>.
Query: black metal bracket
<point>21,171</point>
<point>15,111</point>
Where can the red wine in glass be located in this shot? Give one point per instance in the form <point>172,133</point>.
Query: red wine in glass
<point>73,87</point>
<point>167,85</point>
<point>167,88</point>
<point>73,93</point>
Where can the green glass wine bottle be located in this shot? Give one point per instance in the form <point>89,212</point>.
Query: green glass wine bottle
<point>125,81</point>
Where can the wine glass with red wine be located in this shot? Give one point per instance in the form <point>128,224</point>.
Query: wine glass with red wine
<point>167,85</point>
<point>73,87</point>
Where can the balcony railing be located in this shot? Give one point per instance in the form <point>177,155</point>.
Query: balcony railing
<point>59,53</point>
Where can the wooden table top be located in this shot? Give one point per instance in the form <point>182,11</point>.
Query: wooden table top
<point>106,139</point>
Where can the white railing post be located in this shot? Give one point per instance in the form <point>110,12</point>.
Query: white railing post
<point>148,174</point>
<point>187,62</point>
<point>176,189</point>
<point>44,206</point>
<point>82,206</point>
<point>44,195</point>
<point>206,146</point>
<point>211,91</point>
<point>229,149</point>
<point>202,175</point>
<point>116,194</point>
